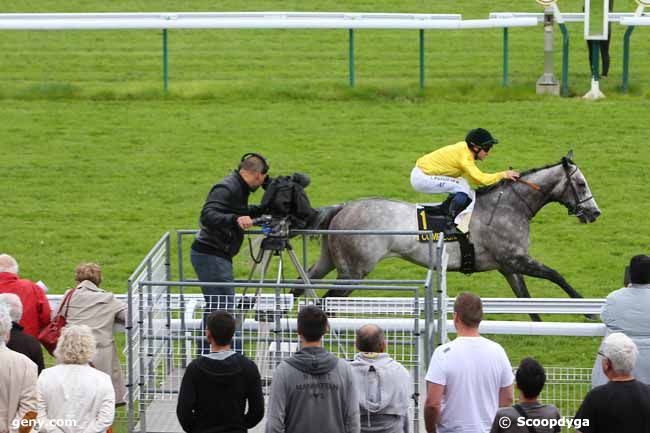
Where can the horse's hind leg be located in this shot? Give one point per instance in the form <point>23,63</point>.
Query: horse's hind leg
<point>518,286</point>
<point>531,267</point>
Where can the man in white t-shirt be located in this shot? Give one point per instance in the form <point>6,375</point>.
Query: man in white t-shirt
<point>469,378</point>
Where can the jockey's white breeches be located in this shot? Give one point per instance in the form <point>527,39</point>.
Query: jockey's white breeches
<point>436,184</point>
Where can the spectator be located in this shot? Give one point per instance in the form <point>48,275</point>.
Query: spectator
<point>627,310</point>
<point>19,341</point>
<point>99,310</point>
<point>622,405</point>
<point>36,308</point>
<point>469,378</point>
<point>384,384</point>
<point>217,387</point>
<point>530,379</point>
<point>603,46</point>
<point>313,390</point>
<point>17,380</point>
<point>224,217</point>
<point>73,391</point>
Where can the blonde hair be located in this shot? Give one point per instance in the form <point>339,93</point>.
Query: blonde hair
<point>76,345</point>
<point>89,271</point>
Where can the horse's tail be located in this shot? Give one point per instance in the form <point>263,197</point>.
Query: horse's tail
<point>324,216</point>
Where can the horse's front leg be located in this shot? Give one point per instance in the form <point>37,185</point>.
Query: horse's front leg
<point>529,266</point>
<point>518,286</point>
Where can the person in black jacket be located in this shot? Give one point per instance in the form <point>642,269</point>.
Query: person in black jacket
<point>216,387</point>
<point>225,216</point>
<point>19,341</point>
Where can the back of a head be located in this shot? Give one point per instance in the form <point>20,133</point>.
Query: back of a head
<point>221,325</point>
<point>469,309</point>
<point>312,323</point>
<point>530,377</point>
<point>8,264</point>
<point>76,345</point>
<point>89,271</point>
<point>370,338</point>
<point>640,269</point>
<point>15,305</point>
<point>621,352</point>
<point>254,163</point>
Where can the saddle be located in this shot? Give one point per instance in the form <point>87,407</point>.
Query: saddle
<point>432,216</point>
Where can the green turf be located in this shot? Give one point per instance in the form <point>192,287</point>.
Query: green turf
<point>97,163</point>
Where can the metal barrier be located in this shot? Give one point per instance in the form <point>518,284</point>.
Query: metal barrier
<point>257,20</point>
<point>165,331</point>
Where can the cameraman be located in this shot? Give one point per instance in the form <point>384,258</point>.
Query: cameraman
<point>224,217</point>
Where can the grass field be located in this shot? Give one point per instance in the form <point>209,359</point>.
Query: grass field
<point>97,162</point>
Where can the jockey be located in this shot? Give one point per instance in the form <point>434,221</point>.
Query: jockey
<point>444,171</point>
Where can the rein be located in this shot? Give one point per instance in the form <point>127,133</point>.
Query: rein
<point>574,209</point>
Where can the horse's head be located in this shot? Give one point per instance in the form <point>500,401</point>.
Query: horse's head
<point>576,195</point>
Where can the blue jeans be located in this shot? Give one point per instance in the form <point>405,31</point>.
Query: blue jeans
<point>214,269</point>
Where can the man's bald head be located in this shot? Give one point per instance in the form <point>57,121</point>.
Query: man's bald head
<point>370,338</point>
<point>8,264</point>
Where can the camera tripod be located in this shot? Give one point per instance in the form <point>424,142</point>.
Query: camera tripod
<point>275,246</point>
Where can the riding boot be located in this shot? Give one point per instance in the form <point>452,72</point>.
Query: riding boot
<point>458,203</point>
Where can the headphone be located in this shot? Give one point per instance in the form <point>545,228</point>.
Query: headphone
<point>265,163</point>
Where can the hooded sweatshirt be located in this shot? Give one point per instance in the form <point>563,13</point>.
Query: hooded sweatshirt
<point>214,393</point>
<point>313,391</point>
<point>384,391</point>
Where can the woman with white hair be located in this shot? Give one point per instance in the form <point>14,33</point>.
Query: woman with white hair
<point>74,397</point>
<point>622,405</point>
<point>99,309</point>
<point>17,380</point>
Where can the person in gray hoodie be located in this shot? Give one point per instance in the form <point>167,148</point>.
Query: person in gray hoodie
<point>313,391</point>
<point>384,384</point>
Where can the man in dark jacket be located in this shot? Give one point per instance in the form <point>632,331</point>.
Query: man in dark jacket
<point>225,216</point>
<point>217,387</point>
<point>313,391</point>
<point>19,341</point>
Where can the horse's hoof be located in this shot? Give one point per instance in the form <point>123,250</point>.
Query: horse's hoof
<point>592,317</point>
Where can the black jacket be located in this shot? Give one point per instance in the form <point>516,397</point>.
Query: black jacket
<point>213,396</point>
<point>220,235</point>
<point>27,345</point>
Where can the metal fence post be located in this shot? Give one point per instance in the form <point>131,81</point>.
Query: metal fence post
<point>165,62</point>
<point>626,58</point>
<point>351,55</point>
<point>421,58</point>
<point>565,59</point>
<point>129,358</point>
<point>504,83</point>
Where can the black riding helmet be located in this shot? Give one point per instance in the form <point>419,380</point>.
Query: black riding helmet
<point>480,138</point>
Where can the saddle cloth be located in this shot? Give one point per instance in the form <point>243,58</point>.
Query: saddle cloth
<point>433,216</point>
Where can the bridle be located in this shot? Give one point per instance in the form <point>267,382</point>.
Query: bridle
<point>574,208</point>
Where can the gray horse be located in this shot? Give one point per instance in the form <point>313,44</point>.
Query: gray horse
<point>499,229</point>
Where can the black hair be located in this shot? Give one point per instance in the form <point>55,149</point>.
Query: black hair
<point>530,377</point>
<point>221,325</point>
<point>369,338</point>
<point>312,323</point>
<point>640,269</point>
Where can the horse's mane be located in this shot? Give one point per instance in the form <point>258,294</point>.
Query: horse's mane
<point>487,189</point>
